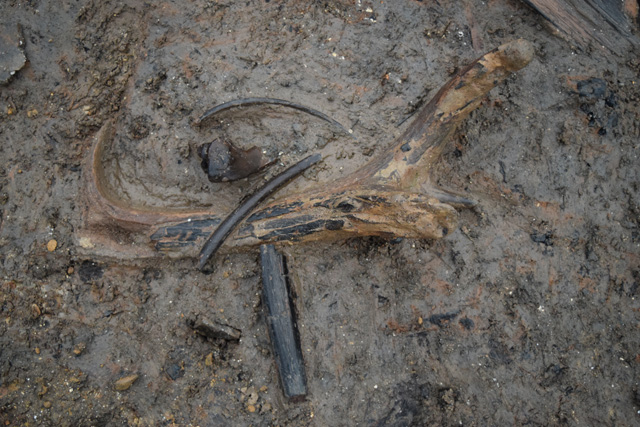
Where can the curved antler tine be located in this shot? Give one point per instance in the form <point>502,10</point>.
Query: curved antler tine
<point>408,160</point>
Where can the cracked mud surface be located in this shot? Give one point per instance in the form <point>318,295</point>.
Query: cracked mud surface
<point>526,314</point>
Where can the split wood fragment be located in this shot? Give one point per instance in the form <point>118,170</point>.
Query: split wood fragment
<point>285,341</point>
<point>599,22</point>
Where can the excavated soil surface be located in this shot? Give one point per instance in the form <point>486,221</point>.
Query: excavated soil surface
<point>527,314</point>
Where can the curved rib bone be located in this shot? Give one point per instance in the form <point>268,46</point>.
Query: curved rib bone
<point>391,196</point>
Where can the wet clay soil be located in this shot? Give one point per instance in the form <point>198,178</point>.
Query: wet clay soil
<point>528,313</point>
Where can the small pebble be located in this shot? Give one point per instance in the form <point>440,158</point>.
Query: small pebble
<point>174,371</point>
<point>208,360</point>
<point>35,311</point>
<point>125,382</point>
<point>253,399</point>
<point>52,245</point>
<point>47,404</point>
<point>70,271</point>
<point>37,350</point>
<point>79,348</point>
<point>251,408</point>
<point>265,408</point>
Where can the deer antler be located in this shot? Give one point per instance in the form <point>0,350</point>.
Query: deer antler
<point>391,196</point>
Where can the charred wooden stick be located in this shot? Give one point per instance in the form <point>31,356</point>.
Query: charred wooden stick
<point>225,228</point>
<point>393,195</point>
<point>223,161</point>
<point>282,325</point>
<point>214,329</point>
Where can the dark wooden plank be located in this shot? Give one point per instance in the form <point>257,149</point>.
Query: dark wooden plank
<point>598,22</point>
<point>282,326</point>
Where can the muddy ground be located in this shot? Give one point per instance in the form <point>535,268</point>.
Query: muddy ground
<point>527,314</point>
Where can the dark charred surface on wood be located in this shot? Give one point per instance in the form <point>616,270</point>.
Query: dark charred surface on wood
<point>296,232</point>
<point>285,339</point>
<point>274,211</point>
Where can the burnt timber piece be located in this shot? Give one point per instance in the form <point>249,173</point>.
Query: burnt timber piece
<point>283,332</point>
<point>391,196</point>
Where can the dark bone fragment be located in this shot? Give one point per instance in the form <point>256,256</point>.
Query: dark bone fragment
<point>222,161</point>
